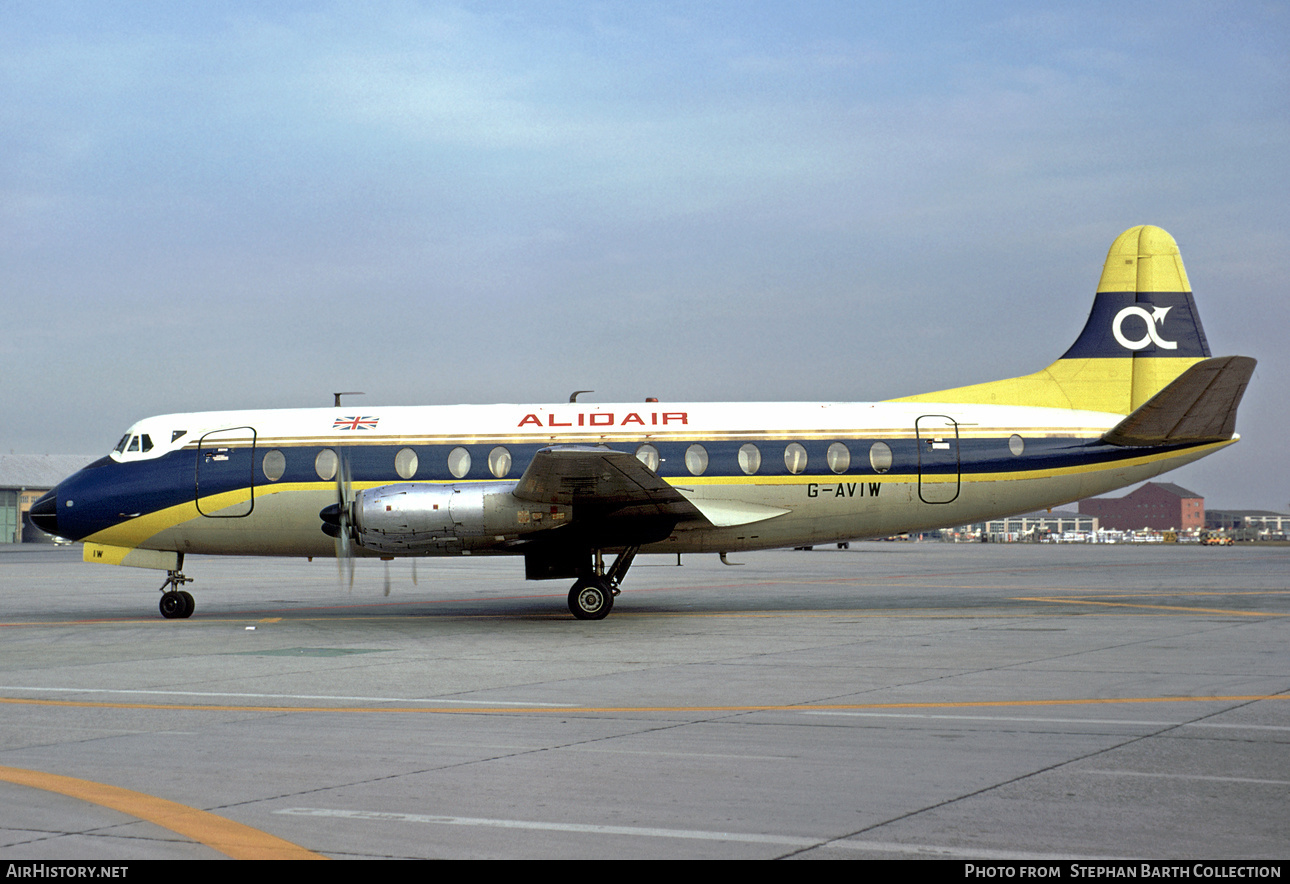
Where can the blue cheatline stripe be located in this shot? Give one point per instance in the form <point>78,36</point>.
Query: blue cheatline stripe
<point>148,486</point>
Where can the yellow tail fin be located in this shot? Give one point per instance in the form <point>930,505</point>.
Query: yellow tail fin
<point>1143,332</point>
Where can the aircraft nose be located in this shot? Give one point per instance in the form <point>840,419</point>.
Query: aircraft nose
<point>44,512</point>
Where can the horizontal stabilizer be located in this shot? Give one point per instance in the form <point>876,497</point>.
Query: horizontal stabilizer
<point>1197,406</point>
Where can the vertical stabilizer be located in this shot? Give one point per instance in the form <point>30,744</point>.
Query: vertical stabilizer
<point>1143,332</point>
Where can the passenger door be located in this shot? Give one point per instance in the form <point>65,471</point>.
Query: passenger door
<point>938,458</point>
<point>225,467</point>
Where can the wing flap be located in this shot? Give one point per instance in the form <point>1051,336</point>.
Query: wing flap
<point>728,513</point>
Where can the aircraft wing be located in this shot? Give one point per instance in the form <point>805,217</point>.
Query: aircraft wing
<point>595,476</point>
<point>582,475</point>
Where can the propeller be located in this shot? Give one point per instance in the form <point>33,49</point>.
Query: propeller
<point>344,542</point>
<point>338,521</point>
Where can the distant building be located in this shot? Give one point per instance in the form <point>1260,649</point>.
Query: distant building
<point>1037,524</point>
<point>1027,526</point>
<point>1161,506</point>
<point>23,479</point>
<point>1259,521</point>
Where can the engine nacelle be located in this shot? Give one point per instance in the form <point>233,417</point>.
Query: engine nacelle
<point>412,517</point>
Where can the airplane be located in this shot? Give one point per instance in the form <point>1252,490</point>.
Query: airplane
<point>565,485</point>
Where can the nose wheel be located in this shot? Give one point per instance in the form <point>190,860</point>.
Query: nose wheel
<point>176,604</point>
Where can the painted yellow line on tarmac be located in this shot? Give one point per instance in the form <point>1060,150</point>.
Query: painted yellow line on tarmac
<point>216,832</point>
<point>591,710</point>
<point>1084,597</point>
<point>1103,601</point>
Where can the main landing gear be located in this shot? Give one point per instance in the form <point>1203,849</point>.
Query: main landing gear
<point>176,604</point>
<point>592,597</point>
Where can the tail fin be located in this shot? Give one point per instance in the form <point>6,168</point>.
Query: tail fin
<point>1142,333</point>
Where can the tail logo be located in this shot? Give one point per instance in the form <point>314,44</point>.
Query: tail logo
<point>1156,316</point>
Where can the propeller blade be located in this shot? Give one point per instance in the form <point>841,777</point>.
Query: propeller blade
<point>344,518</point>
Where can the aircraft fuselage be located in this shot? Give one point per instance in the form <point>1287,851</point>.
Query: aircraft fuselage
<point>254,482</point>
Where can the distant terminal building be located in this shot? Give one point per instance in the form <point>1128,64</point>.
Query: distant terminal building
<point>1029,526</point>
<point>1254,522</point>
<point>1161,506</point>
<point>23,478</point>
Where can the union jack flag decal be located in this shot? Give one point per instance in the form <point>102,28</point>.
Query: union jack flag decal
<point>355,423</point>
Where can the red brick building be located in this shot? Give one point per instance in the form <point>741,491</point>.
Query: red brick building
<point>1162,506</point>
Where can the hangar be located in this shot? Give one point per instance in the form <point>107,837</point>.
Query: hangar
<point>23,478</point>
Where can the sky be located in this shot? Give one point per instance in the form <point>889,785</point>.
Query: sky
<point>232,205</point>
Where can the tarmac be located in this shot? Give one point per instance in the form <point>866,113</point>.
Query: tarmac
<point>891,700</point>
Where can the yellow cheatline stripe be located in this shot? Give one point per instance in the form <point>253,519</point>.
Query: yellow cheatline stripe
<point>216,832</point>
<point>134,532</point>
<point>591,710</point>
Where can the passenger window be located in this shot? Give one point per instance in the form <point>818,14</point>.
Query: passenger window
<point>696,459</point>
<point>795,457</point>
<point>459,462</point>
<point>749,458</point>
<point>405,463</point>
<point>838,457</point>
<point>274,465</point>
<point>648,455</point>
<point>325,464</point>
<point>499,462</point>
<point>880,457</point>
<point>1016,445</point>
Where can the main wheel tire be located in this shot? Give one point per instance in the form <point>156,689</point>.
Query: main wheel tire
<point>591,600</point>
<point>172,605</point>
<point>190,604</point>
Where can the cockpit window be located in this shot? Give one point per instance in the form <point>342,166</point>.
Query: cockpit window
<point>137,446</point>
